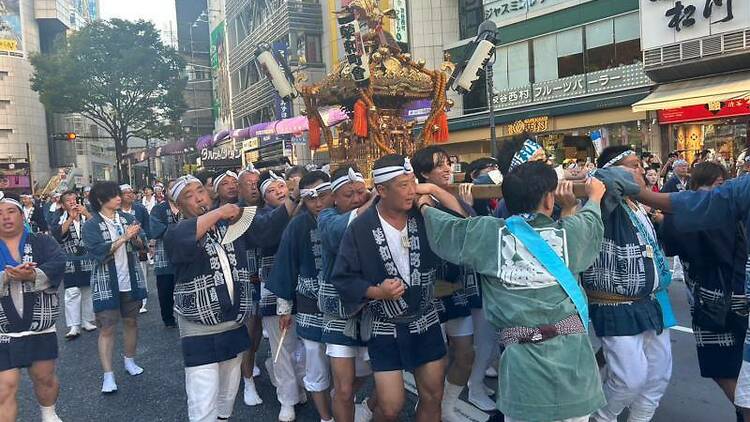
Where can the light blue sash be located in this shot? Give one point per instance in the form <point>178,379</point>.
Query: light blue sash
<point>665,274</point>
<point>542,251</point>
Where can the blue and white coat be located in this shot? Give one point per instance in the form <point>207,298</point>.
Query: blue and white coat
<point>105,290</point>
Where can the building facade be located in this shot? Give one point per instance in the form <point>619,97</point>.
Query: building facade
<point>699,53</point>
<point>565,71</point>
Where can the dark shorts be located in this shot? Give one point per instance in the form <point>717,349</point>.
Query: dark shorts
<point>129,308</point>
<point>23,351</point>
<point>406,351</point>
<point>719,354</point>
<point>214,348</point>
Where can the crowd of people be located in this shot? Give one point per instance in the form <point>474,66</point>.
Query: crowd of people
<point>414,274</point>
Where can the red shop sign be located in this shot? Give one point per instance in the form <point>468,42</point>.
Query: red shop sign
<point>729,108</point>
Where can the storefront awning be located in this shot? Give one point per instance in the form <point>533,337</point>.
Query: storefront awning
<point>697,91</point>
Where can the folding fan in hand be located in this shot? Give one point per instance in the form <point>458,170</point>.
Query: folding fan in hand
<point>239,227</point>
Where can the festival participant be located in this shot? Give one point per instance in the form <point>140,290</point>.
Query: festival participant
<point>528,261</point>
<point>226,188</point>
<point>68,231</point>
<point>630,309</point>
<point>386,270</point>
<point>148,200</point>
<point>432,165</point>
<point>162,216</point>
<point>133,207</point>
<point>159,193</point>
<point>249,196</point>
<point>213,295</point>
<point>33,214</point>
<point>295,282</point>
<point>344,347</point>
<point>113,239</point>
<point>52,208</point>
<point>715,274</point>
<point>33,266</point>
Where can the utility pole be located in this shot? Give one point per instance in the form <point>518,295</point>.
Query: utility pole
<point>489,76</point>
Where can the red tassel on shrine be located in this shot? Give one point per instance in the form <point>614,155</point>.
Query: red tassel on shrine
<point>313,134</point>
<point>360,119</point>
<point>441,135</point>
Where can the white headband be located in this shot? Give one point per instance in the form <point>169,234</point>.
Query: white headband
<point>351,177</point>
<point>126,187</point>
<point>618,157</point>
<point>316,191</point>
<point>158,186</point>
<point>10,201</point>
<point>223,176</point>
<point>385,174</point>
<point>266,183</point>
<point>523,155</point>
<point>180,184</point>
<point>249,169</point>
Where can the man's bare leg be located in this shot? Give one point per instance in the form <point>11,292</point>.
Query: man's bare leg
<point>389,386</point>
<point>9,380</point>
<point>46,386</point>
<point>429,378</point>
<point>343,384</point>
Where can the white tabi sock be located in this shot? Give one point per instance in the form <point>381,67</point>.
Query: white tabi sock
<point>108,384</point>
<point>49,414</point>
<point>450,397</point>
<point>251,396</point>
<point>131,367</point>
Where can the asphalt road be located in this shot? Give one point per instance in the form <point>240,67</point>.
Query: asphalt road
<point>159,395</point>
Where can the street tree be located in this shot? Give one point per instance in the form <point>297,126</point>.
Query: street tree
<point>119,74</point>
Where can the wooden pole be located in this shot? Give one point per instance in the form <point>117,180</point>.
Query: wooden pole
<point>495,191</point>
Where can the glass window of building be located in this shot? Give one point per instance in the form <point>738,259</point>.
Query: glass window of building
<point>500,69</point>
<point>518,65</point>
<point>545,58</point>
<point>470,16</point>
<point>570,52</point>
<point>600,45</point>
<point>627,40</point>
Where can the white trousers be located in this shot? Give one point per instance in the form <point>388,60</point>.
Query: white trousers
<point>286,371</point>
<point>211,389</point>
<point>78,306</point>
<point>637,374</point>
<point>317,367</point>
<point>486,346</point>
<point>742,391</point>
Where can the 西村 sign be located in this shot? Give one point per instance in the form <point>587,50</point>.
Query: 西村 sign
<point>600,82</point>
<point>665,22</point>
<point>530,125</point>
<point>506,12</point>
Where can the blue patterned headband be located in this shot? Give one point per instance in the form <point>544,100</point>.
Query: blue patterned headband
<point>523,155</point>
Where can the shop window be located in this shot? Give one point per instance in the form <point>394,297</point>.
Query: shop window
<point>313,52</point>
<point>570,52</point>
<point>545,58</point>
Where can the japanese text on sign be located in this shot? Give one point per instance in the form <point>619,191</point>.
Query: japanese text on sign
<point>530,125</point>
<point>683,14</point>
<point>356,56</point>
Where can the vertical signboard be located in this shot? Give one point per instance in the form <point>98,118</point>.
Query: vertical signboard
<point>220,75</point>
<point>11,30</point>
<point>401,25</point>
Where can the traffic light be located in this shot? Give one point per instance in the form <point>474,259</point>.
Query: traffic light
<point>71,136</point>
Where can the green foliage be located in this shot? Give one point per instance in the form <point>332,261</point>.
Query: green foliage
<point>117,73</point>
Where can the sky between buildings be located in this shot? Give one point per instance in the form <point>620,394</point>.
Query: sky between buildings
<point>160,12</point>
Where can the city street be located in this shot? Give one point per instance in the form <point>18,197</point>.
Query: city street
<point>159,395</point>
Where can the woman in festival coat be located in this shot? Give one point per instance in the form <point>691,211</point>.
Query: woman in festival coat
<point>33,266</point>
<point>113,240</point>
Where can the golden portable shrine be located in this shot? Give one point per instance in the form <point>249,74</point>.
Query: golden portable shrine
<point>373,83</point>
